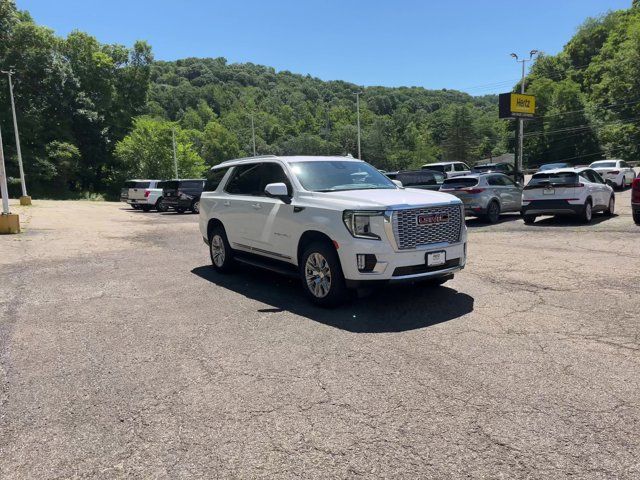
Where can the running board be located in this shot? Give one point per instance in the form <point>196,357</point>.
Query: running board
<point>268,264</point>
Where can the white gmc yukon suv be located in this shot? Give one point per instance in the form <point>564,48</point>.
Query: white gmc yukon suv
<point>335,222</point>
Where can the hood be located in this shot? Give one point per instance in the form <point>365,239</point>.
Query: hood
<point>383,198</point>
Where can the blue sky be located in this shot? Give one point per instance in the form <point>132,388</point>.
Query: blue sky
<point>461,44</point>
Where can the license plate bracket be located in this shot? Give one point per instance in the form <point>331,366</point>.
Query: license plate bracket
<point>549,191</point>
<point>435,259</point>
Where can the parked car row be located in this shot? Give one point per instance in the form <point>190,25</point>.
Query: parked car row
<point>163,195</point>
<point>337,223</point>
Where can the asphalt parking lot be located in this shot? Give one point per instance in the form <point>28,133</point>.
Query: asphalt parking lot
<point>122,354</point>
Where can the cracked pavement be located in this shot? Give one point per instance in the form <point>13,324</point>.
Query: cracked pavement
<point>123,355</point>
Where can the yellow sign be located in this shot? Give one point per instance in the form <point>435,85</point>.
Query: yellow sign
<point>524,105</point>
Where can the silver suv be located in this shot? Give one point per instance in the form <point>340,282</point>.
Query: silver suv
<point>485,195</point>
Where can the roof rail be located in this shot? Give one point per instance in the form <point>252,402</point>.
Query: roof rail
<point>250,158</point>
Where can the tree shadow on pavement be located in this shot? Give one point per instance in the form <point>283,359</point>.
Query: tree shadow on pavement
<point>392,309</point>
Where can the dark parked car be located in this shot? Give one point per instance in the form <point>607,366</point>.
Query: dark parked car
<point>505,168</point>
<point>182,195</point>
<point>423,179</point>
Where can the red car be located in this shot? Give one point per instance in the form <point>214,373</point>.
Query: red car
<point>635,200</point>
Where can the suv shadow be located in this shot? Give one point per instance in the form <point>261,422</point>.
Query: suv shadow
<point>477,222</point>
<point>394,309</point>
<point>570,221</point>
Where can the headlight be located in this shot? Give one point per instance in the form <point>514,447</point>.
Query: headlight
<point>358,222</point>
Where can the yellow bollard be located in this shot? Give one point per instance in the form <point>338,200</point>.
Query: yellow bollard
<point>9,223</point>
<point>25,200</point>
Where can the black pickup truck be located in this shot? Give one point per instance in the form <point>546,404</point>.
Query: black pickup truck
<point>182,195</point>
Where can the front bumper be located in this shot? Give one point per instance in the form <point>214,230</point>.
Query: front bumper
<point>399,266</point>
<point>551,207</point>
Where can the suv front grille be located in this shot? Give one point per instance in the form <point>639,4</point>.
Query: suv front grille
<point>409,234</point>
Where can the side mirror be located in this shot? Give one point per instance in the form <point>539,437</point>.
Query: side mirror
<point>278,190</point>
<point>398,183</point>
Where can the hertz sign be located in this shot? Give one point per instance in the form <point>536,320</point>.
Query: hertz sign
<point>517,105</point>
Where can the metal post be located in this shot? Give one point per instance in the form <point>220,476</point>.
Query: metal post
<point>175,157</point>
<point>3,182</point>
<point>15,129</point>
<point>253,135</point>
<point>358,116</point>
<point>520,129</point>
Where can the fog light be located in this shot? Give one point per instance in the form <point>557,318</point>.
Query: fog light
<point>366,262</point>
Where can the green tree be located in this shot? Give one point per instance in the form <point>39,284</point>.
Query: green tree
<point>218,144</point>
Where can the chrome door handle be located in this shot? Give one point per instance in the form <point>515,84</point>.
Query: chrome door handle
<point>257,206</point>
<point>227,203</point>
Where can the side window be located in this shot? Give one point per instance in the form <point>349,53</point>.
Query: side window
<point>508,182</point>
<point>460,167</point>
<point>214,178</point>
<point>588,175</point>
<point>596,176</point>
<point>245,180</point>
<point>273,173</point>
<point>496,181</point>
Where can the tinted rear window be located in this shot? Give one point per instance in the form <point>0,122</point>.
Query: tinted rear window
<point>191,184</point>
<point>214,178</point>
<point>562,178</point>
<point>137,184</point>
<point>460,182</point>
<point>603,165</point>
<point>410,179</point>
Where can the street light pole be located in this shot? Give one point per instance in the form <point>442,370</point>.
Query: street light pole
<point>175,157</point>
<point>520,120</point>
<point>253,135</point>
<point>357,94</point>
<point>9,73</point>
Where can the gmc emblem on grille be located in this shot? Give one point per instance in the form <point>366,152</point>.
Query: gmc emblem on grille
<point>433,218</point>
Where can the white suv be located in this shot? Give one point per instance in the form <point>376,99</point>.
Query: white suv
<point>336,222</point>
<point>450,169</point>
<point>572,191</point>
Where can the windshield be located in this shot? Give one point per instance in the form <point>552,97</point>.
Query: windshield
<point>562,178</point>
<point>327,176</point>
<point>603,165</point>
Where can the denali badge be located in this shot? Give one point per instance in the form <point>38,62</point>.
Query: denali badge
<point>433,218</point>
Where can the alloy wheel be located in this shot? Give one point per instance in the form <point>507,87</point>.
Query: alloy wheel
<point>318,275</point>
<point>196,207</point>
<point>588,213</point>
<point>217,250</point>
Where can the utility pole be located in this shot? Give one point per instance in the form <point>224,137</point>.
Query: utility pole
<point>25,200</point>
<point>357,94</point>
<point>175,157</point>
<point>9,222</point>
<point>3,182</point>
<point>518,165</point>
<point>253,135</point>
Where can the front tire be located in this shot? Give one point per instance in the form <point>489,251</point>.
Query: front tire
<point>587,212</point>
<point>636,217</point>
<point>611,208</point>
<point>322,277</point>
<point>220,251</point>
<point>529,219</point>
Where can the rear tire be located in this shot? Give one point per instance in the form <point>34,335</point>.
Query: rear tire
<point>195,207</point>
<point>611,208</point>
<point>529,219</point>
<point>623,184</point>
<point>321,275</point>
<point>636,217</point>
<point>493,212</point>
<point>587,212</point>
<point>160,206</point>
<point>220,251</point>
